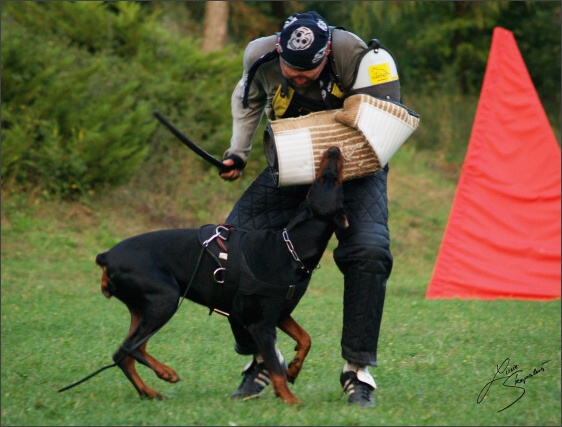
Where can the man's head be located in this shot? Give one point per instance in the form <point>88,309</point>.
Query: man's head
<point>304,42</point>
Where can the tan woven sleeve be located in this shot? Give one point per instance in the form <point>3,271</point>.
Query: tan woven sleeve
<point>349,114</point>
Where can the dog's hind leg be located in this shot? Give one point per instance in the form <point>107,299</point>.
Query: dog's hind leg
<point>143,325</point>
<point>296,332</point>
<point>162,371</point>
<point>127,364</point>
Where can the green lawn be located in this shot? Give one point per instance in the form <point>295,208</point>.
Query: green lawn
<point>435,357</point>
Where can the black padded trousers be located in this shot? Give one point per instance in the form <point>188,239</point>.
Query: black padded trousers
<point>363,253</point>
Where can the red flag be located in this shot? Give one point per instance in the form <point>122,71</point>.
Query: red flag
<point>502,239</point>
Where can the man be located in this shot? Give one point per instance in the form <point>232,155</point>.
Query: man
<point>310,67</point>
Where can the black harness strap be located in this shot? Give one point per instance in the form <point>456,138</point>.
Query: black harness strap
<point>227,256</point>
<point>252,72</point>
<point>221,235</point>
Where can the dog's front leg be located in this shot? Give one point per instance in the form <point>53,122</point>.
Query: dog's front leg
<point>296,332</point>
<point>281,390</point>
<point>264,336</point>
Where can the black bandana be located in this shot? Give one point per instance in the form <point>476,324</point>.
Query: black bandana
<point>303,41</point>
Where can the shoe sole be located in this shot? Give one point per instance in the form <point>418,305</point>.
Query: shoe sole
<point>253,396</point>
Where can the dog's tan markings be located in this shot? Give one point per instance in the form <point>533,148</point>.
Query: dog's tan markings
<point>281,390</point>
<point>322,166</point>
<point>104,283</point>
<point>161,370</point>
<point>142,388</point>
<point>302,338</point>
<point>131,371</point>
<point>323,163</point>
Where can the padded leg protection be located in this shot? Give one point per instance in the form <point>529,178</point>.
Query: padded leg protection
<point>366,270</point>
<point>362,315</point>
<point>363,256</point>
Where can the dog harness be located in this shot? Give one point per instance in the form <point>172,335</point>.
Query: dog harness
<point>234,274</point>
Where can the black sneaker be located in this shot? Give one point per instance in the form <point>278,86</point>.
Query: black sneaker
<point>256,379</point>
<point>359,393</point>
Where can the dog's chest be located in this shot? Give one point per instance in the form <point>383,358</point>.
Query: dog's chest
<point>235,253</point>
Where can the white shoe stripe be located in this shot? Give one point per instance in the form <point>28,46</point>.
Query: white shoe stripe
<point>262,379</point>
<point>348,387</point>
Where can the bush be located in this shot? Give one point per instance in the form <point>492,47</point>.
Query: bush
<point>80,81</point>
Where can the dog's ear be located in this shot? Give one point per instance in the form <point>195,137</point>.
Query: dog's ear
<point>341,219</point>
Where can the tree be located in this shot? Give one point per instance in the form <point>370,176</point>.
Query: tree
<point>215,26</point>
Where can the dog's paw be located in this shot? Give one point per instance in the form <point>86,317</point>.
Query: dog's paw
<point>168,375</point>
<point>149,393</point>
<point>293,372</point>
<point>292,401</point>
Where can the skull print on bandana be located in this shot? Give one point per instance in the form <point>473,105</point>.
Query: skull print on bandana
<point>301,39</point>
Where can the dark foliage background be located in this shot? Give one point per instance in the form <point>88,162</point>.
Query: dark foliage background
<point>80,79</point>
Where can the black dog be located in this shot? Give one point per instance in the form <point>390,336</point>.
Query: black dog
<point>151,272</point>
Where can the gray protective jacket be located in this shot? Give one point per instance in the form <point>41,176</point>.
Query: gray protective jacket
<point>346,50</point>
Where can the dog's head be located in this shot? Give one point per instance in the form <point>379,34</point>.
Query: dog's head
<point>325,196</point>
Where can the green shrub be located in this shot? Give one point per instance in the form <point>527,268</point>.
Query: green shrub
<point>80,81</point>
<point>71,119</point>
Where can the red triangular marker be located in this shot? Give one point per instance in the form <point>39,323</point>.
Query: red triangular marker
<point>502,239</point>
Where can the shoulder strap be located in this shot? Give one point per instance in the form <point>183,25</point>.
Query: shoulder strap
<point>252,72</point>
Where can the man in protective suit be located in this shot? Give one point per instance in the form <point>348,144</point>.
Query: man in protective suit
<point>309,67</point>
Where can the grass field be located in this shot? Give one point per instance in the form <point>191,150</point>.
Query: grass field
<point>435,357</point>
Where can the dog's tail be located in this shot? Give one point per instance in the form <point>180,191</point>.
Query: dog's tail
<point>100,260</point>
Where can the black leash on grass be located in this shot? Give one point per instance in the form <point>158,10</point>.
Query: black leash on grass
<point>149,336</point>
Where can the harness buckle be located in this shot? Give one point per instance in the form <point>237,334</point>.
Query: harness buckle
<point>222,228</point>
<point>217,234</point>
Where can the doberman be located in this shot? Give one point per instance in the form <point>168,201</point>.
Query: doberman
<point>152,272</point>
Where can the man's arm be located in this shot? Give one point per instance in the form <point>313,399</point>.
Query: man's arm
<point>245,121</point>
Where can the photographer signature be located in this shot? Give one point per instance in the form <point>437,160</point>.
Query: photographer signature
<point>513,378</point>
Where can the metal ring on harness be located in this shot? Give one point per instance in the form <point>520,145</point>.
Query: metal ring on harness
<point>221,271</point>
